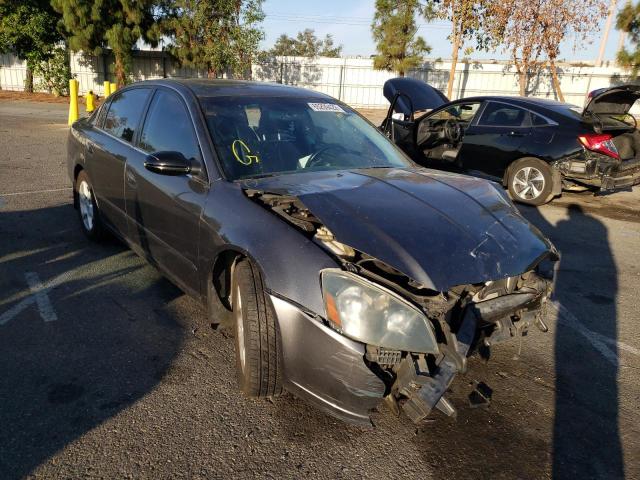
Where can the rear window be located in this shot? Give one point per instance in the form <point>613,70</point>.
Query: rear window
<point>125,110</point>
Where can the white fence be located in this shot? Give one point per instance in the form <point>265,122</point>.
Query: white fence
<point>352,80</point>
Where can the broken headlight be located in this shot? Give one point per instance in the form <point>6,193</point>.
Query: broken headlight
<point>374,315</point>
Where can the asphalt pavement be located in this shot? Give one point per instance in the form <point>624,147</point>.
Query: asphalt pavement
<point>107,370</point>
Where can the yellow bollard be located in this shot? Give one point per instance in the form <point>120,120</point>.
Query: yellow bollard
<point>73,101</point>
<point>114,87</point>
<point>107,88</point>
<point>90,106</point>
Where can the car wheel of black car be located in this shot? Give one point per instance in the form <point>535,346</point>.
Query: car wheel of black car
<point>88,208</point>
<point>530,181</point>
<point>258,347</point>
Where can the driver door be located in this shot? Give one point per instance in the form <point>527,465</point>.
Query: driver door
<point>434,132</point>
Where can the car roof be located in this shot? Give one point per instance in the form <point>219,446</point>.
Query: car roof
<point>542,102</point>
<point>205,88</point>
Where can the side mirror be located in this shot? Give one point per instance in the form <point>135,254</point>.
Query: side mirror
<point>168,163</point>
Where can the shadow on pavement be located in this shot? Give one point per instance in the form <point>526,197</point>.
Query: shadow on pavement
<point>586,438</point>
<point>104,349</point>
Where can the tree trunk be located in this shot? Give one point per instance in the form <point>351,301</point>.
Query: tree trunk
<point>554,79</point>
<point>522,81</point>
<point>454,63</point>
<point>28,81</point>
<point>120,73</point>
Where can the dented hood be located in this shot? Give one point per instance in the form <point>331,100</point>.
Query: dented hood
<point>437,228</point>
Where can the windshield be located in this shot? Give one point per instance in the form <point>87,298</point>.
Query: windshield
<point>257,136</point>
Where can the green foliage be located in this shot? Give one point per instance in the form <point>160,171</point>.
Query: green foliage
<point>92,25</point>
<point>395,32</point>
<point>54,73</point>
<point>220,35</point>
<point>306,44</point>
<point>629,21</point>
<point>28,29</point>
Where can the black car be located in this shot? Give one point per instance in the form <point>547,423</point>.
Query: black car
<point>533,146</point>
<point>349,274</point>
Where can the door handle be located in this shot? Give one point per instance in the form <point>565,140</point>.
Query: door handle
<point>131,178</point>
<point>90,147</point>
<point>515,134</point>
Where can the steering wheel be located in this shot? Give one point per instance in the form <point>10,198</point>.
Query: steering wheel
<point>452,130</point>
<point>315,157</point>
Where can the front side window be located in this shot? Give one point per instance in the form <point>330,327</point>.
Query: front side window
<point>462,111</point>
<point>125,111</point>
<point>502,115</point>
<point>168,127</point>
<point>257,136</point>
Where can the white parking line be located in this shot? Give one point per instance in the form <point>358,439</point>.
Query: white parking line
<point>42,299</point>
<point>597,340</point>
<point>38,291</point>
<point>12,194</point>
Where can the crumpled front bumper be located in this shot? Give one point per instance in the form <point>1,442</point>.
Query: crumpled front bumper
<point>333,373</point>
<point>325,368</point>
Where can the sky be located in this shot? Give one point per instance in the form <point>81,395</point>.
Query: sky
<point>349,21</point>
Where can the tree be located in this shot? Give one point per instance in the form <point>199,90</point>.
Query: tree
<point>306,44</point>
<point>531,29</point>
<point>28,29</point>
<point>466,18</point>
<point>564,18</point>
<point>394,31</point>
<point>118,24</point>
<point>219,35</point>
<point>628,21</point>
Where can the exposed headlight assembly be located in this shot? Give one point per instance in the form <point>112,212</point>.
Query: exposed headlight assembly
<point>374,315</point>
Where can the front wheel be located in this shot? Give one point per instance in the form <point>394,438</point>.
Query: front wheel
<point>531,181</point>
<point>258,345</point>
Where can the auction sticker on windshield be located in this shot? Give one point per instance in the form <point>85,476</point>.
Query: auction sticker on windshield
<point>326,107</point>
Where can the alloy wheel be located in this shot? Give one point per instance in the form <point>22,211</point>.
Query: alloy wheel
<point>86,205</point>
<point>528,183</point>
<point>240,328</point>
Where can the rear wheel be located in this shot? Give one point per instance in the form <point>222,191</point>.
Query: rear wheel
<point>88,208</point>
<point>258,346</point>
<point>530,181</point>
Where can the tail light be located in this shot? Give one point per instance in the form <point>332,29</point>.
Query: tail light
<point>601,143</point>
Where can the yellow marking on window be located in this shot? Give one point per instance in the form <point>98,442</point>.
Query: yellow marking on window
<point>241,151</point>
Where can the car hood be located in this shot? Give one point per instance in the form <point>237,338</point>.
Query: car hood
<point>615,100</point>
<point>421,95</point>
<point>437,228</point>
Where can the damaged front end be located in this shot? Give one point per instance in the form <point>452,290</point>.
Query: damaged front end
<point>415,339</point>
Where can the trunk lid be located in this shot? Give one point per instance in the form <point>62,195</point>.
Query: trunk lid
<point>612,101</point>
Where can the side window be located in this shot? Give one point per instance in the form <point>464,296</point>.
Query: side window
<point>168,127</point>
<point>461,111</point>
<point>539,121</point>
<point>502,115</point>
<point>125,110</point>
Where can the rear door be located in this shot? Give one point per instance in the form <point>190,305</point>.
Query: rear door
<point>109,150</point>
<point>164,211</point>
<point>494,141</point>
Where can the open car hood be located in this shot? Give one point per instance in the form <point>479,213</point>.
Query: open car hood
<point>422,96</point>
<point>440,229</point>
<point>615,100</point>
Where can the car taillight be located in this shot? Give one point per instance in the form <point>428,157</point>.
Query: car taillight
<point>601,143</point>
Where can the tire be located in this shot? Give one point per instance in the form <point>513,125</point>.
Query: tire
<point>530,181</point>
<point>258,345</point>
<point>90,220</point>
